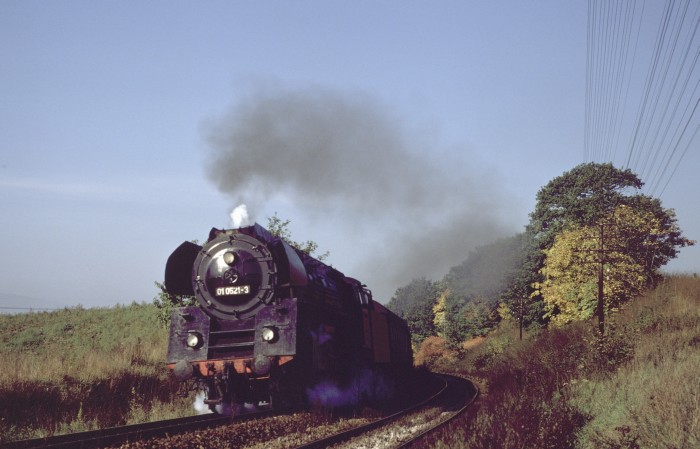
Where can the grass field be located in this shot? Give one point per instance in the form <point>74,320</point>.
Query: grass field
<point>638,387</point>
<point>80,369</point>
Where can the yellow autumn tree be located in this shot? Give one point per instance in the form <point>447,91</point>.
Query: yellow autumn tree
<point>570,271</point>
<point>439,310</point>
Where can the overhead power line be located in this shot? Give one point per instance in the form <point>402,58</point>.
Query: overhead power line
<point>642,86</point>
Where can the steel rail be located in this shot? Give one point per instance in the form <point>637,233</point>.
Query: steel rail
<point>98,438</point>
<point>356,431</point>
<point>133,432</point>
<point>420,436</point>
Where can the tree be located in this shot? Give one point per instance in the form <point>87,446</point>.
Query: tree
<point>280,228</point>
<point>439,313</point>
<point>432,350</point>
<point>586,197</point>
<point>656,248</point>
<point>581,197</point>
<point>613,258</point>
<point>414,303</point>
<point>474,288</point>
<point>477,318</point>
<point>165,303</point>
<point>456,321</point>
<point>485,271</point>
<point>517,297</point>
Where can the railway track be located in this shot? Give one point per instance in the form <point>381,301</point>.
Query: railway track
<point>462,394</point>
<point>452,400</point>
<point>452,397</point>
<point>134,432</point>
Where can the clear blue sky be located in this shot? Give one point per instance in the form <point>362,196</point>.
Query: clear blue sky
<point>441,122</point>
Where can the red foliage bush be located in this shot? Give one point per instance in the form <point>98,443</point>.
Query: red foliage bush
<point>432,350</point>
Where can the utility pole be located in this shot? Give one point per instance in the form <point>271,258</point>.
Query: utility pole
<point>601,261</point>
<point>521,318</point>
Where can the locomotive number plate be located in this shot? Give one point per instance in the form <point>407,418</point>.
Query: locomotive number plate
<point>236,290</point>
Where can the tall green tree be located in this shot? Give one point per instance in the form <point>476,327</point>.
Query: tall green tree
<point>517,294</point>
<point>415,302</point>
<point>581,196</point>
<point>280,228</point>
<point>588,196</point>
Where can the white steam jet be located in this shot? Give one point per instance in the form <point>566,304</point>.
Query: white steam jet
<point>239,217</point>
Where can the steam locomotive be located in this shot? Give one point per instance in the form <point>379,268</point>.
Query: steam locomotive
<point>272,322</point>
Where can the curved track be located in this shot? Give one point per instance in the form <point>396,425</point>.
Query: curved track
<point>462,393</point>
<point>453,398</point>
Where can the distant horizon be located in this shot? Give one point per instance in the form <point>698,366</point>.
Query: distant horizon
<point>6,306</point>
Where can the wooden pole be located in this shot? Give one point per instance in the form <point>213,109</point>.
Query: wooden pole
<point>521,318</point>
<point>600,309</point>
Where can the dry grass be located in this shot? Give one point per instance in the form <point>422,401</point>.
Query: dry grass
<point>654,400</point>
<point>80,369</point>
<point>637,387</point>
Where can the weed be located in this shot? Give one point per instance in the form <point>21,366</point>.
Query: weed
<point>636,387</point>
<point>81,369</point>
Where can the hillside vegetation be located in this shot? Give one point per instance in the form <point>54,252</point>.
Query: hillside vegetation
<point>79,369</point>
<point>586,375</point>
<point>594,242</point>
<point>593,246</point>
<point>567,387</point>
<point>637,387</point>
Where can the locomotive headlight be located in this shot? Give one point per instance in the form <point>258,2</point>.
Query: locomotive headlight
<point>269,334</point>
<point>194,340</point>
<point>229,258</point>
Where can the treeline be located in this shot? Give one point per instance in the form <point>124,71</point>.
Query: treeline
<point>593,243</point>
<point>464,304</point>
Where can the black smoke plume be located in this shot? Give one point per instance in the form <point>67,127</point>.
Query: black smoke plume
<point>410,208</point>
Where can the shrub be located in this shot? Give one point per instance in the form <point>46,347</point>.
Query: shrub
<point>651,398</point>
<point>636,387</point>
<point>432,351</point>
